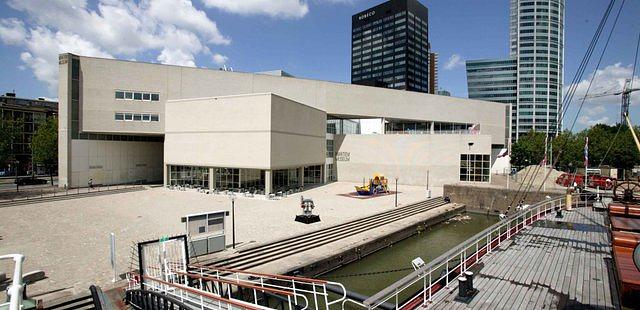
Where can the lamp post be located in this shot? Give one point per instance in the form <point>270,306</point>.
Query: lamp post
<point>232,196</point>
<point>396,192</point>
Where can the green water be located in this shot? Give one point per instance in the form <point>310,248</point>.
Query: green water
<point>428,245</point>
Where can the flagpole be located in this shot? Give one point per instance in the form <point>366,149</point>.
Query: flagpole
<point>586,161</point>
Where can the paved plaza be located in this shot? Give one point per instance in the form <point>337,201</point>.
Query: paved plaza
<point>69,239</point>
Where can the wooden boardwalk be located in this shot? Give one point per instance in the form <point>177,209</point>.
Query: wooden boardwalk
<point>560,263</point>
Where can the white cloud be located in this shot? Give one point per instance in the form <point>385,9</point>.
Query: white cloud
<point>174,30</point>
<point>181,13</point>
<point>454,61</point>
<point>594,115</point>
<point>590,121</point>
<point>220,59</point>
<point>44,46</point>
<point>609,80</point>
<point>12,31</point>
<point>272,8</point>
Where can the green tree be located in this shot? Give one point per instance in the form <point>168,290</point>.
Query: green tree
<point>44,145</point>
<point>624,152</point>
<point>528,150</point>
<point>9,131</point>
<point>567,151</point>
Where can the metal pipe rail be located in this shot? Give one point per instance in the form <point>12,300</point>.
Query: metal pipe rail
<point>203,278</point>
<point>296,285</point>
<point>14,292</point>
<point>195,298</point>
<point>437,273</point>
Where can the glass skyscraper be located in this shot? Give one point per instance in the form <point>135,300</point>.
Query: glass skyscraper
<point>390,47</point>
<point>531,78</point>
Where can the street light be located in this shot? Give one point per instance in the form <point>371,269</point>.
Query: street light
<point>232,196</point>
<point>396,192</point>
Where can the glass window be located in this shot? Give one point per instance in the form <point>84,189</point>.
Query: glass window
<point>146,96</point>
<point>137,96</point>
<point>155,97</point>
<point>128,95</point>
<point>128,116</point>
<point>119,117</point>
<point>189,176</point>
<point>475,167</point>
<point>313,174</point>
<point>146,117</point>
<point>119,95</point>
<point>154,117</point>
<point>137,117</point>
<point>329,148</point>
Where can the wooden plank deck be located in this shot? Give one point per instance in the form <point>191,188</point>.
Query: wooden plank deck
<point>557,263</point>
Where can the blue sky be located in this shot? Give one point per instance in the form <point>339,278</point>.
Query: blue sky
<point>308,38</point>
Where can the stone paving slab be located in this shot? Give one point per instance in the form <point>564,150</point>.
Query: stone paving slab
<point>69,239</point>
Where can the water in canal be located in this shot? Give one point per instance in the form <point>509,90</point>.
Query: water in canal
<point>428,245</point>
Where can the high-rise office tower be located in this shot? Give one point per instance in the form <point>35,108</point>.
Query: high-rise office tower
<point>531,78</point>
<point>390,46</point>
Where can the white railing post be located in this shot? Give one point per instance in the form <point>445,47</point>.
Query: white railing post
<point>430,284</point>
<point>424,291</point>
<point>446,275</point>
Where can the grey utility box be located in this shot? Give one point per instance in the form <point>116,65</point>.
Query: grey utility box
<point>206,232</point>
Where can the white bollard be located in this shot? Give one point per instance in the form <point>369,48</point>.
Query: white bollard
<point>112,252</point>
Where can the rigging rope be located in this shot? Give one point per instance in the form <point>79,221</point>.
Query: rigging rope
<point>570,98</point>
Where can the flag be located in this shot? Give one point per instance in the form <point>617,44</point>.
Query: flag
<point>586,154</point>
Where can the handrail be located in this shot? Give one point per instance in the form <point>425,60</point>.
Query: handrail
<point>15,290</point>
<point>202,293</point>
<point>236,282</point>
<point>275,276</point>
<point>458,258</point>
<point>293,281</point>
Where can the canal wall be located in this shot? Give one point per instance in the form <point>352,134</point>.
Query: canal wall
<point>371,241</point>
<point>485,199</point>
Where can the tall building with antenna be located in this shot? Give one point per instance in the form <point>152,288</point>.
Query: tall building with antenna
<point>531,79</point>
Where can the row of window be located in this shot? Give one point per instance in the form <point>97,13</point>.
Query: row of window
<point>136,117</point>
<point>555,4</point>
<point>135,95</point>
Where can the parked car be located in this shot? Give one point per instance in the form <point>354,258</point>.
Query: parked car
<point>600,181</point>
<point>567,179</point>
<point>30,181</point>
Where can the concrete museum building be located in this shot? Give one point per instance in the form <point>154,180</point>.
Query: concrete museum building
<point>123,121</point>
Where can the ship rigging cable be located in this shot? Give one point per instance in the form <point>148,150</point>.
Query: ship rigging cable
<point>573,87</point>
<point>572,91</point>
<point>633,75</point>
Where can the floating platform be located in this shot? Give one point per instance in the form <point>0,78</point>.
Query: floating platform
<point>558,263</point>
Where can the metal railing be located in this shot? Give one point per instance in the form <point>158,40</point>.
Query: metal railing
<point>439,272</point>
<point>435,132</point>
<point>14,292</point>
<point>298,286</point>
<point>195,298</point>
<point>54,191</point>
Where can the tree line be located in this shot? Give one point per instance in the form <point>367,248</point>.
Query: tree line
<point>44,143</point>
<point>611,146</point>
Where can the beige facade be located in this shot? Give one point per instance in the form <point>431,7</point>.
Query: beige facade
<point>261,121</point>
<point>256,131</point>
<point>409,157</point>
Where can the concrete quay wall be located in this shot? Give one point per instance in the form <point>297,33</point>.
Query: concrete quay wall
<point>490,199</point>
<point>347,251</point>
